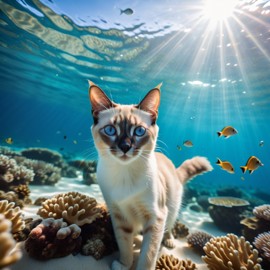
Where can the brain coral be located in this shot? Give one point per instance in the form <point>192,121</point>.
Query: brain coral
<point>229,253</point>
<point>73,207</point>
<point>53,238</point>
<point>13,214</point>
<point>8,253</point>
<point>262,212</point>
<point>168,262</point>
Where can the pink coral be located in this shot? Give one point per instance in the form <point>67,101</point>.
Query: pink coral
<point>52,239</point>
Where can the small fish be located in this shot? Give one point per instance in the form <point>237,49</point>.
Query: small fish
<point>227,132</point>
<point>188,143</point>
<point>242,178</point>
<point>9,140</point>
<point>127,11</point>
<point>75,142</point>
<point>65,137</point>
<point>225,165</point>
<point>179,147</point>
<point>252,164</point>
<point>61,148</point>
<point>261,143</point>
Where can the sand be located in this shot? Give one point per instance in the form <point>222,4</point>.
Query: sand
<point>194,220</point>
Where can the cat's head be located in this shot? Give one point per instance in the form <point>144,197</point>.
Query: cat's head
<point>124,132</point>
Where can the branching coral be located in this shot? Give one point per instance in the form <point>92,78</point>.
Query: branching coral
<point>262,212</point>
<point>11,196</point>
<point>52,239</point>
<point>8,253</point>
<point>230,252</point>
<point>179,230</point>
<point>74,207</point>
<point>168,262</point>
<point>13,214</point>
<point>198,239</point>
<point>262,243</point>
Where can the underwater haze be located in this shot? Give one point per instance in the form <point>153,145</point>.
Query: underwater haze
<point>213,60</point>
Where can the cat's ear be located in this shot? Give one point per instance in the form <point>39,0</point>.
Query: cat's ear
<point>150,103</point>
<point>99,100</point>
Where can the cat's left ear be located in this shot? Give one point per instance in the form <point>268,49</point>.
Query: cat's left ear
<point>150,103</point>
<point>99,100</point>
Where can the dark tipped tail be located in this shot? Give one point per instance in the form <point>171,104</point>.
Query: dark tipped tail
<point>218,161</point>
<point>193,167</point>
<point>219,133</point>
<point>243,168</point>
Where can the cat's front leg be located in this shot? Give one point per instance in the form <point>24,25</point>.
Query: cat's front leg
<point>124,236</point>
<point>152,238</point>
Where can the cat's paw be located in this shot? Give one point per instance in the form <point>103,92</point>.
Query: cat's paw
<point>169,243</point>
<point>116,265</point>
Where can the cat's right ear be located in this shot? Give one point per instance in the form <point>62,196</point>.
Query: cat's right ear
<point>99,101</point>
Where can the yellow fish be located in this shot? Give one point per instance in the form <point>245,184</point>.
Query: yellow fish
<point>188,143</point>
<point>227,132</point>
<point>179,147</point>
<point>225,165</point>
<point>9,140</point>
<point>252,164</point>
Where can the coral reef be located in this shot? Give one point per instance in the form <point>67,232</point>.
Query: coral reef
<point>179,230</point>
<point>13,214</point>
<point>53,239</point>
<point>73,207</point>
<point>230,252</point>
<point>8,254</point>
<point>43,154</point>
<point>169,262</point>
<point>227,212</point>
<point>45,173</point>
<point>14,177</point>
<point>262,212</point>
<point>11,196</point>
<point>198,239</point>
<point>98,237</point>
<point>88,168</point>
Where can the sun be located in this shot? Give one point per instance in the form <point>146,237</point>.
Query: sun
<point>219,10</point>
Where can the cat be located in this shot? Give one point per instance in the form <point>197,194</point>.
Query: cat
<point>141,187</point>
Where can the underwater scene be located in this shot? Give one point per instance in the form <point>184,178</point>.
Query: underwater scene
<point>212,58</point>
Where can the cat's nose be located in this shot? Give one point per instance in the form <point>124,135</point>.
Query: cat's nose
<point>125,146</point>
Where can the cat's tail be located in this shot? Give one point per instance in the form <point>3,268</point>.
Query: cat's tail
<point>192,167</point>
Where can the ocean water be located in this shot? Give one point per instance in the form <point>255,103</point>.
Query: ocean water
<point>215,72</point>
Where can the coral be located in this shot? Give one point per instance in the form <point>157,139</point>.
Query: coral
<point>227,212</point>
<point>40,200</point>
<point>74,207</point>
<point>198,239</point>
<point>179,230</point>
<point>8,152</point>
<point>12,174</point>
<point>262,212</point>
<point>8,254</point>
<point>230,252</point>
<point>11,196</point>
<point>262,243</point>
<point>13,214</point>
<point>53,239</point>
<point>43,154</point>
<point>230,191</point>
<point>99,238</point>
<point>88,168</point>
<point>168,262</point>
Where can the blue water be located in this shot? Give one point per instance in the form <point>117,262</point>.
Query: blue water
<point>214,74</point>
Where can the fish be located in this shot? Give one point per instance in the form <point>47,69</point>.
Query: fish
<point>225,165</point>
<point>75,141</point>
<point>242,178</point>
<point>188,143</point>
<point>65,137</point>
<point>261,143</point>
<point>179,147</point>
<point>227,132</point>
<point>127,11</point>
<point>9,140</point>
<point>252,164</point>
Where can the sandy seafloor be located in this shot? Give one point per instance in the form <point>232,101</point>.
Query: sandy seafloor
<point>193,220</point>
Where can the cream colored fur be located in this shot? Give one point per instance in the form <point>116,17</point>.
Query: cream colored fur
<point>144,193</point>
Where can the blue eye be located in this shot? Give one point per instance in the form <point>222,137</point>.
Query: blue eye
<point>139,131</point>
<point>110,130</point>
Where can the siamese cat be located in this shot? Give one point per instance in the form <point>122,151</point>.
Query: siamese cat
<point>141,187</point>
